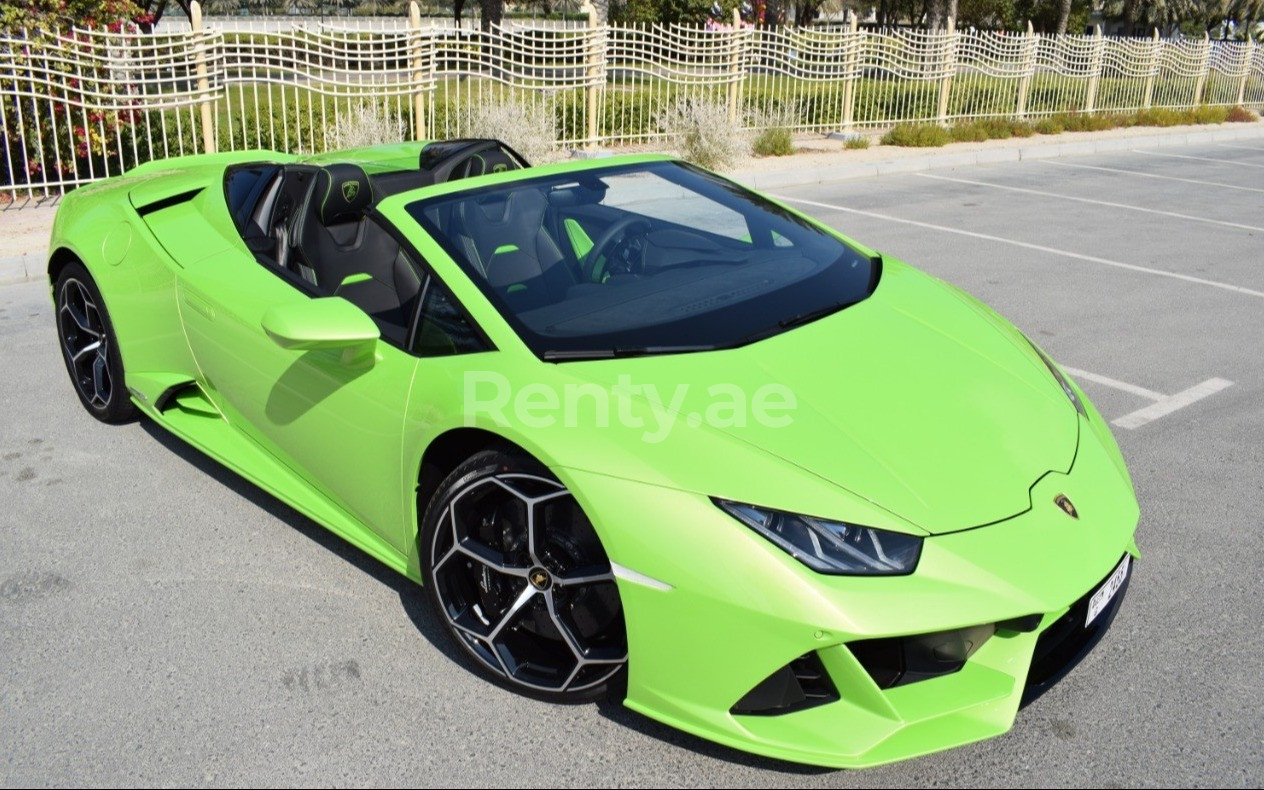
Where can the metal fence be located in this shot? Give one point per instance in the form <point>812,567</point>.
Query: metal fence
<point>82,104</point>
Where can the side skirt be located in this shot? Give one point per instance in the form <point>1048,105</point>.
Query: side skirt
<point>182,409</point>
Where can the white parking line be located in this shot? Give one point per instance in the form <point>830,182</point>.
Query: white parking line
<point>1171,403</point>
<point>1163,404</point>
<point>1042,193</point>
<point>1229,162</point>
<point>1027,245</point>
<point>1151,175</point>
<point>1115,383</point>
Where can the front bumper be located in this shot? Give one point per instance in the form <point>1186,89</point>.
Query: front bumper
<point>738,609</point>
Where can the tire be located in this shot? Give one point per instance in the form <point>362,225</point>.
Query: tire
<point>530,600</point>
<point>89,346</point>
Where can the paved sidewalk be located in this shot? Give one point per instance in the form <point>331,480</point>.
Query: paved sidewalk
<point>24,241</point>
<point>24,230</point>
<point>822,162</point>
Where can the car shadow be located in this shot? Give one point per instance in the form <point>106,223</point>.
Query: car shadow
<point>616,712</point>
<point>411,595</point>
<point>413,599</point>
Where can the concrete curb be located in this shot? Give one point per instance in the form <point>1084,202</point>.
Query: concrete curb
<point>21,268</point>
<point>1052,149</point>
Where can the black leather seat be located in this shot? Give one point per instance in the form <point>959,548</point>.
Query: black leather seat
<point>503,235</point>
<point>337,239</point>
<point>492,160</point>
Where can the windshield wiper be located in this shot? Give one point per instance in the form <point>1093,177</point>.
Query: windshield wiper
<point>796,320</point>
<point>812,315</point>
<point>622,351</point>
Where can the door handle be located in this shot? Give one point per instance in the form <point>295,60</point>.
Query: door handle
<point>199,304</point>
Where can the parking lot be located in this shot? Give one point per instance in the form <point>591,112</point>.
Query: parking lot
<point>163,622</point>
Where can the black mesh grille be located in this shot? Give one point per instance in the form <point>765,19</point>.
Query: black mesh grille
<point>1067,641</point>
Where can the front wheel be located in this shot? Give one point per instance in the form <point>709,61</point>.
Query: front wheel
<point>514,569</point>
<point>89,347</point>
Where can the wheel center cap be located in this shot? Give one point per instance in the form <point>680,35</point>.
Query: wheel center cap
<point>540,579</point>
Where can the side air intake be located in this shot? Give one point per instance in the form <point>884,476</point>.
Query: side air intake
<point>801,684</point>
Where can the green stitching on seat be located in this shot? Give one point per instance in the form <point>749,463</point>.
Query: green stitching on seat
<point>504,248</point>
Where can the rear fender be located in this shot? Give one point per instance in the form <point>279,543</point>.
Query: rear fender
<point>135,276</point>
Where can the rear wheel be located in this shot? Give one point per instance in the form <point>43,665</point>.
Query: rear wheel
<point>89,347</point>
<point>514,569</point>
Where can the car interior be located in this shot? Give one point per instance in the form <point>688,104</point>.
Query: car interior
<point>650,254</point>
<point>644,254</point>
<point>313,224</point>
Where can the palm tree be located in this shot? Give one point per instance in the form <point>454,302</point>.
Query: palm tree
<point>1064,16</point>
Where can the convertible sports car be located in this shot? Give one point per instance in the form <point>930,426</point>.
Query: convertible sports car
<point>638,431</point>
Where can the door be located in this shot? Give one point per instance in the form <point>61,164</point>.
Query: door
<point>337,424</point>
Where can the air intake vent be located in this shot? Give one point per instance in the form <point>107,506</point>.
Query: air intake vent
<point>898,661</point>
<point>803,683</point>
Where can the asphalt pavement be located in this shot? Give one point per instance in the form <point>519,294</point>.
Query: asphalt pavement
<point>164,622</point>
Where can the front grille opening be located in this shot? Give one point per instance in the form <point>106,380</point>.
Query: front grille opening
<point>900,660</point>
<point>801,684</point>
<point>1067,640</point>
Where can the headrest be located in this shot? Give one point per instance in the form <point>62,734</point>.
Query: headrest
<point>344,193</point>
<point>493,160</point>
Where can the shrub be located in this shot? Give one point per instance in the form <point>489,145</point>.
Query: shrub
<point>530,128</point>
<point>968,132</point>
<point>363,125</point>
<point>1021,129</point>
<point>776,141</point>
<point>1159,116</point>
<point>699,129</point>
<point>36,144</point>
<point>917,135</point>
<point>1206,113</point>
<point>1050,125</point>
<point>1086,122</point>
<point>856,143</point>
<point>290,126</point>
<point>1239,114</point>
<point>998,128</point>
<point>774,137</point>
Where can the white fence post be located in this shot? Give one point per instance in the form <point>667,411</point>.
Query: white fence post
<point>735,66</point>
<point>1029,69</point>
<point>204,85</point>
<point>596,74</point>
<point>1201,85</point>
<point>949,65</point>
<point>1153,71</point>
<point>1095,63</point>
<point>1246,67</point>
<point>420,131</point>
<point>851,74</point>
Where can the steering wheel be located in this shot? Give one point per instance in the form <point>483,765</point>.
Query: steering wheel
<point>604,247</point>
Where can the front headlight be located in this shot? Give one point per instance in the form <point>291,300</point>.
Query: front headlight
<point>831,546</point>
<point>1061,379</point>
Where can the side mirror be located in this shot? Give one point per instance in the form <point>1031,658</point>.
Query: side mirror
<point>327,323</point>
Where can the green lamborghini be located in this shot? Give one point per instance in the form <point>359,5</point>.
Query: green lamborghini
<point>638,431</point>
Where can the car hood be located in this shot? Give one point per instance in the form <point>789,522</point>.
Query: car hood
<point>918,400</point>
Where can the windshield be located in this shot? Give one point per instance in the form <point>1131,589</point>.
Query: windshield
<point>642,259</point>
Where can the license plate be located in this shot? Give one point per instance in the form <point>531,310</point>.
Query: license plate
<point>1102,598</point>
